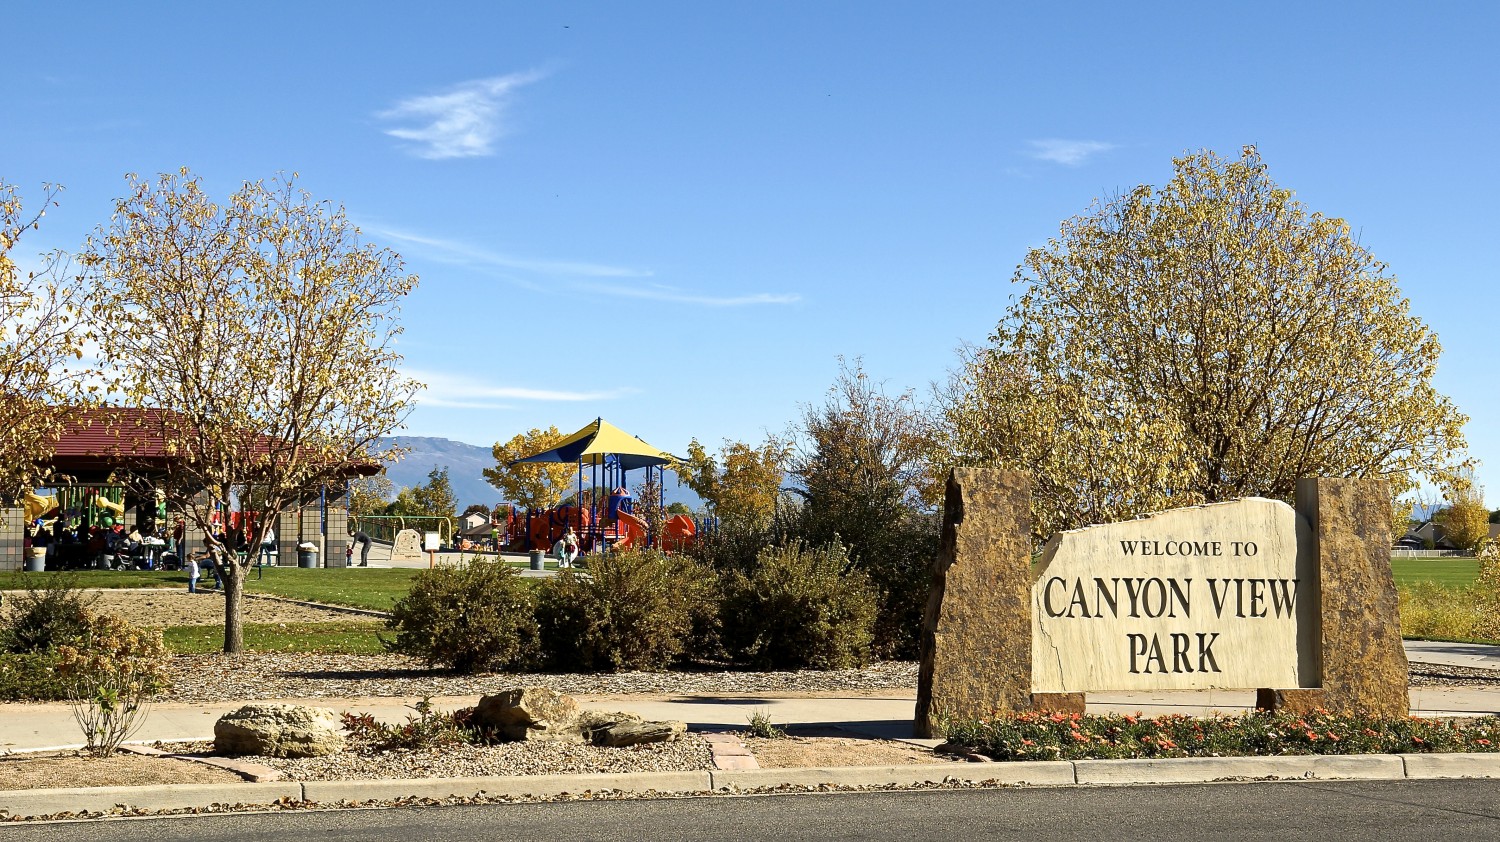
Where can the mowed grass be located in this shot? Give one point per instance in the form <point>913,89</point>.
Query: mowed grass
<point>372,588</point>
<point>1450,573</point>
<point>353,637</point>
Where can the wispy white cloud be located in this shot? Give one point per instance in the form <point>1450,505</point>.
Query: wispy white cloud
<point>456,252</point>
<point>662,293</point>
<point>463,122</point>
<point>463,392</point>
<point>464,254</point>
<point>1069,153</point>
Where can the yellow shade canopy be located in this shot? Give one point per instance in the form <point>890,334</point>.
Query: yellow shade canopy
<point>603,443</point>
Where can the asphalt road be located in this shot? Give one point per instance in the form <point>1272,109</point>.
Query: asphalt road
<point>1430,810</point>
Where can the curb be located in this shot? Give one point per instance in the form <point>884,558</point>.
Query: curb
<point>50,802</point>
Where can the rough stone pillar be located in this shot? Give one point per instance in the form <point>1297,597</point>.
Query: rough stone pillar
<point>976,635</point>
<point>1364,667</point>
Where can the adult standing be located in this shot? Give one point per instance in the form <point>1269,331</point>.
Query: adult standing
<point>267,545</point>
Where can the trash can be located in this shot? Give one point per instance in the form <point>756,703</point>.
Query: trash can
<point>536,559</point>
<point>307,556</point>
<point>36,560</point>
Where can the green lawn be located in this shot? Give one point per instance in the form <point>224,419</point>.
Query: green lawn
<point>1453,573</point>
<point>377,589</point>
<point>353,637</point>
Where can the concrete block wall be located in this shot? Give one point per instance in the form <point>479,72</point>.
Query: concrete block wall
<point>12,539</point>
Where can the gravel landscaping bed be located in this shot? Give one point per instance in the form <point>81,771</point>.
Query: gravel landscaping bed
<point>1442,675</point>
<point>257,676</point>
<point>687,754</point>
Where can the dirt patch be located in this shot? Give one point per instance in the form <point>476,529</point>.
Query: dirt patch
<point>66,769</point>
<point>801,751</point>
<point>161,608</point>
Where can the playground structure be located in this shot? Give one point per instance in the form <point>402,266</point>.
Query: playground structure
<point>608,454</point>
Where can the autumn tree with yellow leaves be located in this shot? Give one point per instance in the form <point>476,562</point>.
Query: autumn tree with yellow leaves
<point>1207,340</point>
<point>741,485</point>
<point>38,341</point>
<point>1465,520</point>
<point>259,336</point>
<point>534,485</point>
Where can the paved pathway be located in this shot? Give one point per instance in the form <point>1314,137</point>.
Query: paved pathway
<point>887,714</point>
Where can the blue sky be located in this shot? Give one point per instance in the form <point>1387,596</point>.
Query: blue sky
<point>678,215</point>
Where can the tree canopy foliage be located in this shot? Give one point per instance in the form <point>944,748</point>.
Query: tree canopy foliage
<point>259,335</point>
<point>38,339</point>
<point>434,498</point>
<point>536,485</point>
<point>861,471</point>
<point>370,495</point>
<point>1465,520</point>
<point>1206,340</point>
<point>741,485</point>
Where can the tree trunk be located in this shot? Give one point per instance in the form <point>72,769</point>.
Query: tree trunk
<point>234,591</point>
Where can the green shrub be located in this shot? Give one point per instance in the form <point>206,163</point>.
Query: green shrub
<point>800,608</point>
<point>632,610</point>
<point>46,616</point>
<point>31,677</point>
<point>470,618</point>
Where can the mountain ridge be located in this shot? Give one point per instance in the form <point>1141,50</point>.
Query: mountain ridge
<point>466,463</point>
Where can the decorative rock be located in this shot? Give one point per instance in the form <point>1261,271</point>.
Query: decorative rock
<point>976,635</point>
<point>407,546</point>
<point>593,723</point>
<point>1299,701</point>
<point>636,733</point>
<point>531,713</point>
<point>270,730</point>
<point>1364,668</point>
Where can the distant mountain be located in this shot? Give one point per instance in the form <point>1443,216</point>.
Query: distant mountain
<point>466,464</point>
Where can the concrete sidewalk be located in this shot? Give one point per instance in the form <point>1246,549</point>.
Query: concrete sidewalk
<point>887,714</point>
<point>29,727</point>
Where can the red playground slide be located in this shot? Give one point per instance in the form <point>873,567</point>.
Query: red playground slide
<point>634,530</point>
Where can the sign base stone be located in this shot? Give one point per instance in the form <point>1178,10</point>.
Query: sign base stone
<point>976,634</point>
<point>1299,701</point>
<point>1059,702</point>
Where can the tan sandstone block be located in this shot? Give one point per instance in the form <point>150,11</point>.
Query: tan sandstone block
<point>1364,668</point>
<point>976,635</point>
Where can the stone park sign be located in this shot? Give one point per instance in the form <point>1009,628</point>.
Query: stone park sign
<point>1298,604</point>
<point>1198,598</point>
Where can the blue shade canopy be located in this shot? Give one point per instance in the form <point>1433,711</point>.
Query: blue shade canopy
<point>602,443</point>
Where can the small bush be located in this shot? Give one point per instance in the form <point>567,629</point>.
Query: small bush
<point>47,616</point>
<point>428,729</point>
<point>111,678</point>
<point>473,618</point>
<point>801,608</point>
<point>762,726</point>
<point>31,677</point>
<point>633,610</point>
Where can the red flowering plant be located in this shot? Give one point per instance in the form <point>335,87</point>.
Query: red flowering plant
<point>1035,735</point>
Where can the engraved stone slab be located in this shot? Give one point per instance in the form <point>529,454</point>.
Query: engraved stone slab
<point>408,546</point>
<point>1205,597</point>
